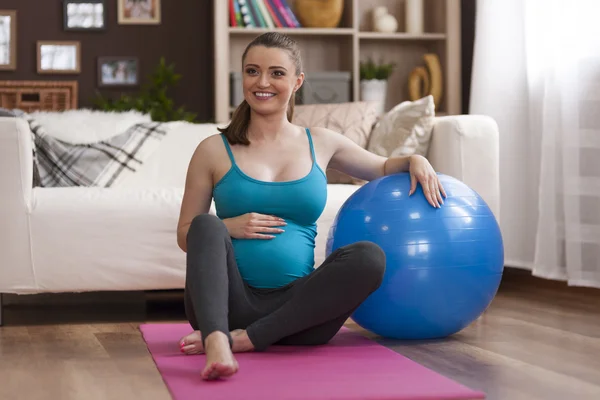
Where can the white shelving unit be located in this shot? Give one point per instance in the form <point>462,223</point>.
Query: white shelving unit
<point>343,48</point>
<point>401,36</point>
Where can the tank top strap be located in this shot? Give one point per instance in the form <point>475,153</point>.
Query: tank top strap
<point>312,147</point>
<point>228,148</point>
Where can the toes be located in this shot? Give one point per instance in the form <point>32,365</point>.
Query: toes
<point>191,342</point>
<point>208,372</point>
<point>214,375</point>
<point>224,371</point>
<point>192,338</point>
<point>192,349</point>
<point>218,370</point>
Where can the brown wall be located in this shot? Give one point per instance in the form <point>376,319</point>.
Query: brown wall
<point>184,38</point>
<point>468,12</point>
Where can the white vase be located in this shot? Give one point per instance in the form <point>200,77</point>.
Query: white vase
<point>374,90</point>
<point>383,21</point>
<point>414,16</point>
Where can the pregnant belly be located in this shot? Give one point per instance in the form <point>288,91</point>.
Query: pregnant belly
<point>276,262</point>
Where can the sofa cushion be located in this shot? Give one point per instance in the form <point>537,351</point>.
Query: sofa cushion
<point>405,129</point>
<point>354,120</point>
<point>92,238</point>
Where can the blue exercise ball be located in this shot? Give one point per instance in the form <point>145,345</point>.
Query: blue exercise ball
<point>443,265</point>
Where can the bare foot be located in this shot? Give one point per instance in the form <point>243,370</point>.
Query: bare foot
<point>220,362</point>
<point>192,343</point>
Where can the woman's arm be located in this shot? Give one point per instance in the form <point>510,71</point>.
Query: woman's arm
<point>349,157</point>
<point>197,194</point>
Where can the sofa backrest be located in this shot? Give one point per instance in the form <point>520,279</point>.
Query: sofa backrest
<point>167,166</point>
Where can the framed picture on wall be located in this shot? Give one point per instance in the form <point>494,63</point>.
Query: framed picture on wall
<point>8,40</point>
<point>139,12</point>
<point>84,15</point>
<point>58,57</point>
<point>118,72</point>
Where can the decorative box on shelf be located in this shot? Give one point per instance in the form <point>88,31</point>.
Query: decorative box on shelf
<point>326,87</point>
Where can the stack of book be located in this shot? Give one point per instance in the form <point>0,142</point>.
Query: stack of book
<point>262,14</point>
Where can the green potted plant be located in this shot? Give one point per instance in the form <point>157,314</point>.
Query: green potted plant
<point>373,81</point>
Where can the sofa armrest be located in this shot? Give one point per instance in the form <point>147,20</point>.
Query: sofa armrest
<point>467,148</point>
<point>16,176</point>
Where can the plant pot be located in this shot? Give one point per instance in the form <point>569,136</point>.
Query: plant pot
<point>374,90</point>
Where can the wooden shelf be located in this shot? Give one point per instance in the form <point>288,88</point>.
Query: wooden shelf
<point>294,31</point>
<point>339,32</point>
<point>400,36</point>
<point>343,49</point>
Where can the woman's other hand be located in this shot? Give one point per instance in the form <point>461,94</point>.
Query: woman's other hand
<point>254,226</point>
<point>422,172</point>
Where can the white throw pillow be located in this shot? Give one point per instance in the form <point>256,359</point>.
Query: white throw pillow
<point>85,126</point>
<point>404,130</point>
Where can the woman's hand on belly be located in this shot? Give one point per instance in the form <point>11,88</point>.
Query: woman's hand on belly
<point>274,263</point>
<point>254,226</point>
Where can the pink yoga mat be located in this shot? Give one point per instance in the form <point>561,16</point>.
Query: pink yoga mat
<point>349,367</point>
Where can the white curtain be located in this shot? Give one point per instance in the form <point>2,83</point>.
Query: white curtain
<point>536,71</point>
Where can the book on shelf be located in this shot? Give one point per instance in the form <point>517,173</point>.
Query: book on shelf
<point>262,14</point>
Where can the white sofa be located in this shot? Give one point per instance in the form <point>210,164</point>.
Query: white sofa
<point>124,238</point>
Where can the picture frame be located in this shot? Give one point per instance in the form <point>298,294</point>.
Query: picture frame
<point>8,40</point>
<point>139,12</point>
<point>118,72</point>
<point>84,15</point>
<point>58,57</point>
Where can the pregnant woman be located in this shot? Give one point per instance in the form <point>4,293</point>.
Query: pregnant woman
<point>250,278</point>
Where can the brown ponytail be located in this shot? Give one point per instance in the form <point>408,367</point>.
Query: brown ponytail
<point>290,110</point>
<point>237,130</point>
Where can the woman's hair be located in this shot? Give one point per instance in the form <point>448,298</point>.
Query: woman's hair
<point>237,130</point>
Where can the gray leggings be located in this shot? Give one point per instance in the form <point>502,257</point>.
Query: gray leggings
<point>308,311</point>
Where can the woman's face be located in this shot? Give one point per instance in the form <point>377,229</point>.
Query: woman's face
<point>269,79</point>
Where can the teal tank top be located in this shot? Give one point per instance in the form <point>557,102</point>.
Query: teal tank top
<point>273,263</point>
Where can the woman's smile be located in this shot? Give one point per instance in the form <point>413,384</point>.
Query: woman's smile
<point>263,96</point>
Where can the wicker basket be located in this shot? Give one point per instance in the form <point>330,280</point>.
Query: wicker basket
<point>319,13</point>
<point>32,96</point>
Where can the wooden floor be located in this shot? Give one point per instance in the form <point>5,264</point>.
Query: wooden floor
<point>538,340</point>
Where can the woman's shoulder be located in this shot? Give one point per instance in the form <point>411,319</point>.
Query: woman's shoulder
<point>320,131</point>
<point>211,143</point>
<point>324,136</point>
<point>213,140</point>
<point>326,141</point>
<point>209,147</point>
